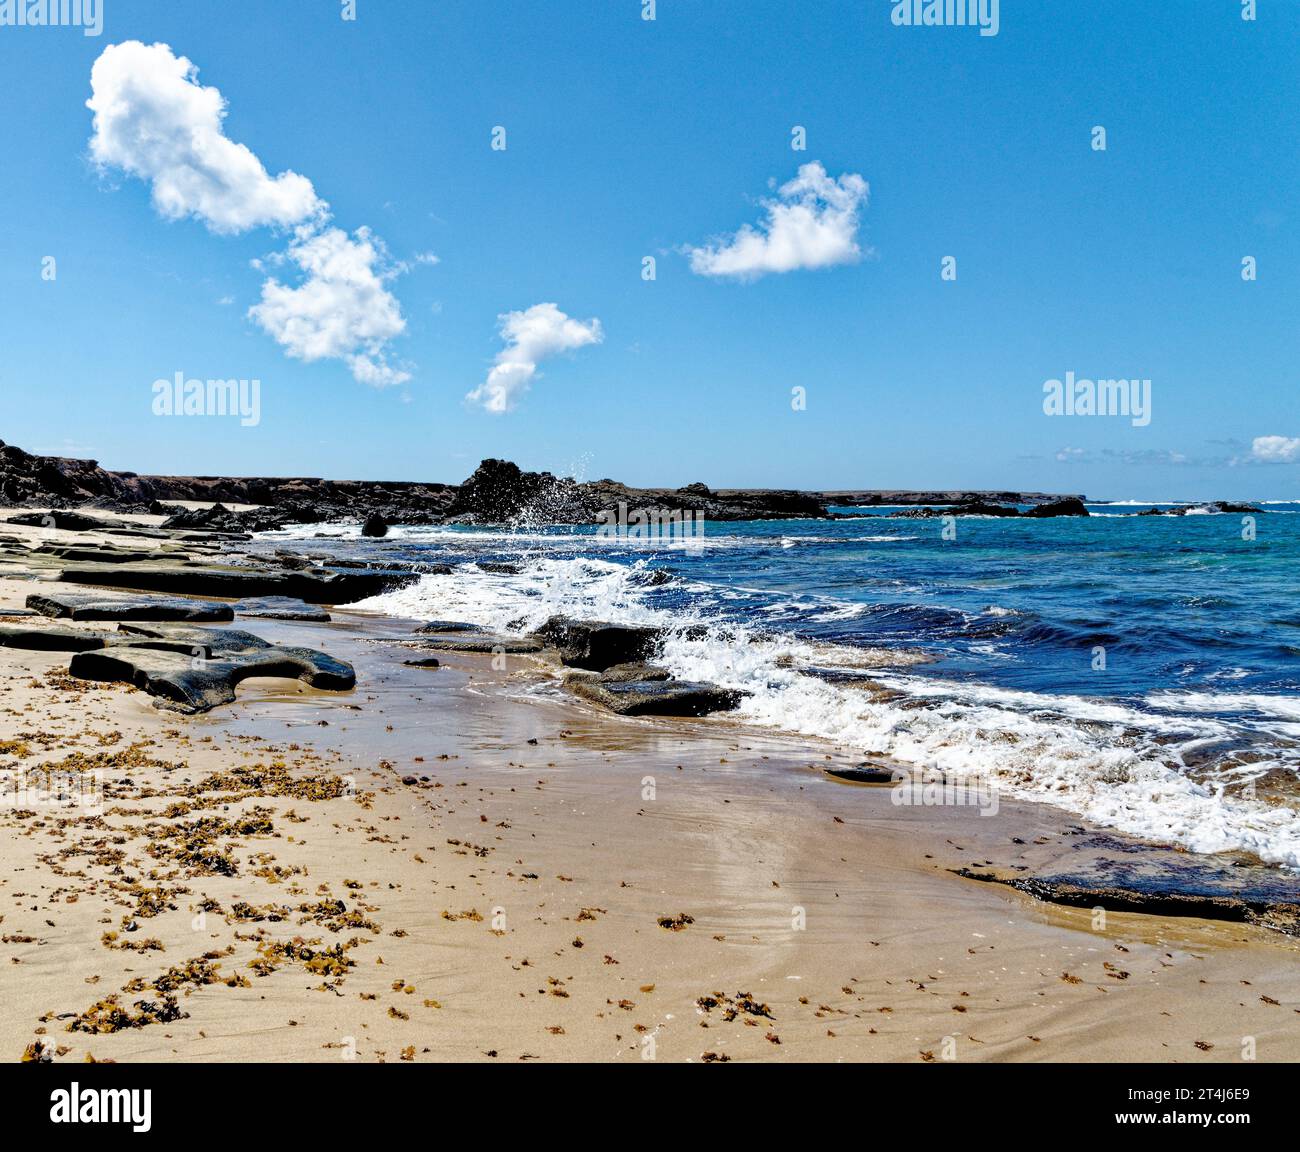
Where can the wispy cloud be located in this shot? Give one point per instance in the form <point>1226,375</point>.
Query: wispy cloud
<point>155,121</point>
<point>531,336</point>
<point>811,223</point>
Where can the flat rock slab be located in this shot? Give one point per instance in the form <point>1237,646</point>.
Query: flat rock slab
<point>238,583</point>
<point>626,673</point>
<point>657,697</point>
<point>101,554</point>
<point>96,606</point>
<point>434,626</point>
<point>48,639</point>
<point>1134,877</point>
<point>195,669</point>
<point>596,645</point>
<point>281,608</point>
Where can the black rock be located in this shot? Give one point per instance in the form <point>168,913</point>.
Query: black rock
<point>657,697</point>
<point>1068,507</point>
<point>103,606</point>
<point>195,669</point>
<point>375,526</point>
<point>596,645</point>
<point>281,608</point>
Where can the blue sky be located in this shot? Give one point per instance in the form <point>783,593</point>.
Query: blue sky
<point>627,138</point>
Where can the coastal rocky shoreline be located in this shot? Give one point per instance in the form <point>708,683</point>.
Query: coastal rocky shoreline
<point>378,840</point>
<point>497,492</point>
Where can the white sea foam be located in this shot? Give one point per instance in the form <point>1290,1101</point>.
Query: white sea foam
<point>1117,765</point>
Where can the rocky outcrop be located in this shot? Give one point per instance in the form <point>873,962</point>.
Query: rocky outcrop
<point>498,492</point>
<point>596,645</point>
<point>327,587</point>
<point>1071,506</point>
<point>1224,507</point>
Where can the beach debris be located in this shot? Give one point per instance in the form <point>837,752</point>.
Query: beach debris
<point>676,923</point>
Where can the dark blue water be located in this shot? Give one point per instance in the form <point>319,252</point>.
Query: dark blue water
<point>1141,670</point>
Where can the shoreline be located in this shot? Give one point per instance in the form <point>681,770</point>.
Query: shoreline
<point>808,918</point>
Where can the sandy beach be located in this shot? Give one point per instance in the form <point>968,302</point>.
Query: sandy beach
<point>467,863</point>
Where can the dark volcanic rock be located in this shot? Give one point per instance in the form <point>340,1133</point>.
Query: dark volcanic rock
<point>498,567</point>
<point>238,583</point>
<point>48,639</point>
<point>657,697</point>
<point>423,662</point>
<point>626,673</point>
<point>976,508</point>
<point>375,526</point>
<point>195,669</point>
<point>498,492</point>
<point>595,645</point>
<point>94,554</point>
<point>281,608</point>
<point>434,626</point>
<point>93,606</point>
<point>864,774</point>
<point>1070,507</point>
<point>1201,887</point>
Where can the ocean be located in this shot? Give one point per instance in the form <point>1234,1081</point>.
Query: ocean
<point>1140,671</point>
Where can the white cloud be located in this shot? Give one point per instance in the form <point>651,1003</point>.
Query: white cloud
<point>341,310</point>
<point>531,336</point>
<point>154,120</point>
<point>1275,449</point>
<point>812,223</point>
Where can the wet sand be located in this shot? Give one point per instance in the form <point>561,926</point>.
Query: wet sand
<point>551,883</point>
